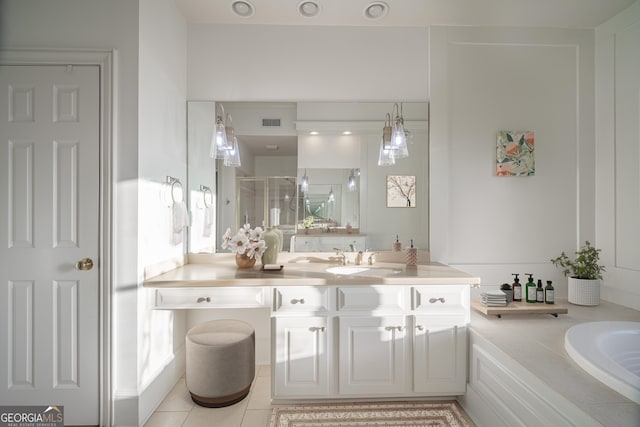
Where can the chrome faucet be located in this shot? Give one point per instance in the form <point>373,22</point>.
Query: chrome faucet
<point>343,257</point>
<point>352,247</point>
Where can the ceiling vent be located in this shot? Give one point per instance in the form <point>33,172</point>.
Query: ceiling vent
<point>270,122</point>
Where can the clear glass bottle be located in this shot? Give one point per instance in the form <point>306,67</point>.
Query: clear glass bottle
<point>549,296</point>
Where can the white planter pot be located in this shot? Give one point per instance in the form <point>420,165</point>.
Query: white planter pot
<point>584,291</point>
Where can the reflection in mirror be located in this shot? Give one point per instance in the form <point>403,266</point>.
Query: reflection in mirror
<point>330,203</point>
<point>276,140</point>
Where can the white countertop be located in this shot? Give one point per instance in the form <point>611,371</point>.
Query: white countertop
<point>303,269</point>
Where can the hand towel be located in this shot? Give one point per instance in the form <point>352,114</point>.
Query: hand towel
<point>208,221</point>
<point>180,220</point>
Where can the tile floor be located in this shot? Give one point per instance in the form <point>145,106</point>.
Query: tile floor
<point>177,409</point>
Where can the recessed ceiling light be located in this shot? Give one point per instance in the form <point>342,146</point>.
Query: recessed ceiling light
<point>313,132</point>
<point>376,10</point>
<point>346,132</point>
<point>308,9</point>
<point>242,8</point>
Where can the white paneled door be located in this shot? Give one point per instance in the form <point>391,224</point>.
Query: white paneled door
<point>49,237</point>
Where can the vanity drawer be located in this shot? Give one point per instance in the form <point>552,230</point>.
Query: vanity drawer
<point>295,299</point>
<point>441,299</point>
<point>368,298</point>
<point>235,297</point>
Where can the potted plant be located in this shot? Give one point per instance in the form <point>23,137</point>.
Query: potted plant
<point>584,275</point>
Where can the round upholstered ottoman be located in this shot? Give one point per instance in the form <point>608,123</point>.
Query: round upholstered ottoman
<point>220,362</point>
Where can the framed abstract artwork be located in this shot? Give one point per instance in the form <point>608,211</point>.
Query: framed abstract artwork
<point>401,191</point>
<point>515,153</point>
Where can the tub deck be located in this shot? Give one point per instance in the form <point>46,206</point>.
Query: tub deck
<point>537,343</point>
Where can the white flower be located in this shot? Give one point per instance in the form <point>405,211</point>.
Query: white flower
<point>226,238</point>
<point>256,249</point>
<point>239,243</point>
<point>246,240</point>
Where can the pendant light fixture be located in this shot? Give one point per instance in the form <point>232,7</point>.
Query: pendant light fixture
<point>304,184</point>
<point>398,137</point>
<point>386,157</point>
<point>351,182</point>
<point>332,197</point>
<point>220,142</point>
<point>232,157</point>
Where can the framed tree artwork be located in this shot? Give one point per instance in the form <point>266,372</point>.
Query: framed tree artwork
<point>401,191</point>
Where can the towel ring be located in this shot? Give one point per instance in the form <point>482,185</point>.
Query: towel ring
<point>206,191</point>
<point>177,194</point>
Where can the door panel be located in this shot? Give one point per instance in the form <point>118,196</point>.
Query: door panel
<point>49,220</point>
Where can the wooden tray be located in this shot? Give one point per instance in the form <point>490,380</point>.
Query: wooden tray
<point>520,308</point>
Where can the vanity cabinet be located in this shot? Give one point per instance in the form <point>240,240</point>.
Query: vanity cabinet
<point>301,356</point>
<point>373,355</point>
<point>369,341</point>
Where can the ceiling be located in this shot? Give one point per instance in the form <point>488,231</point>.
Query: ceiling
<point>409,13</point>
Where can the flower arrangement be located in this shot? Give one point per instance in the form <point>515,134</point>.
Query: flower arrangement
<point>585,265</point>
<point>307,222</point>
<point>246,241</point>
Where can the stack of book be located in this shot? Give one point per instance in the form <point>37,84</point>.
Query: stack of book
<point>494,298</point>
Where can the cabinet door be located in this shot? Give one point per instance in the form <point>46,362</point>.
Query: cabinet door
<point>372,355</point>
<point>301,356</point>
<point>439,355</point>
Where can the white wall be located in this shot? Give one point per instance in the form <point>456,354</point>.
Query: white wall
<point>96,24</point>
<point>162,151</point>
<point>618,155</point>
<point>289,63</point>
<point>484,80</point>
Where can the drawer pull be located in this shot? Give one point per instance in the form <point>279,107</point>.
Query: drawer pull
<point>296,301</point>
<point>434,300</point>
<point>393,328</point>
<point>204,299</point>
<point>317,329</point>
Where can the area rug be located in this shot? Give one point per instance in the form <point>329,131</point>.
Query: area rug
<point>388,414</point>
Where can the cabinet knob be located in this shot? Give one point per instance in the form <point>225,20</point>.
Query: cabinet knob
<point>420,327</point>
<point>204,299</point>
<point>434,300</point>
<point>297,301</point>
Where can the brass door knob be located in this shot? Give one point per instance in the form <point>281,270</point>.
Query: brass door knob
<point>84,264</point>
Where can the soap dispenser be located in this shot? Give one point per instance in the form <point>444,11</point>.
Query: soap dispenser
<point>530,289</point>
<point>412,256</point>
<point>397,246</point>
<point>517,288</point>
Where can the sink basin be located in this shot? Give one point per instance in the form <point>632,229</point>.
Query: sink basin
<point>371,271</point>
<point>346,270</point>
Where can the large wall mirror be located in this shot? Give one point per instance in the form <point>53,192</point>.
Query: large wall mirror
<point>335,146</point>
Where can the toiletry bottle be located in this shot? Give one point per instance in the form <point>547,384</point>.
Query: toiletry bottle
<point>517,288</point>
<point>540,292</point>
<point>412,256</point>
<point>397,246</point>
<point>548,293</point>
<point>530,289</point>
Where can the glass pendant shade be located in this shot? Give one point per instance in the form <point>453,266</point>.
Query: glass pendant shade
<point>399,140</point>
<point>332,197</point>
<point>232,156</point>
<point>386,157</point>
<point>219,143</point>
<point>351,183</point>
<point>304,184</point>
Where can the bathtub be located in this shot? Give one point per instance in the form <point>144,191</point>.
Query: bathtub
<point>610,352</point>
